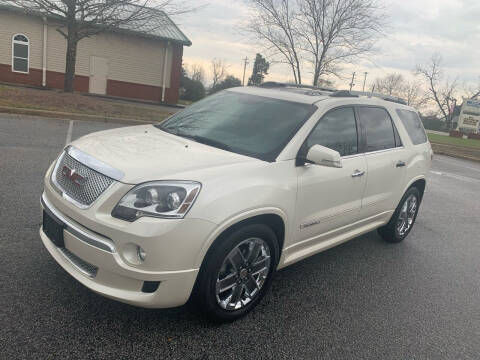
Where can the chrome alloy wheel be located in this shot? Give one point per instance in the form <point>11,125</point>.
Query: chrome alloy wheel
<point>407,215</point>
<point>242,274</point>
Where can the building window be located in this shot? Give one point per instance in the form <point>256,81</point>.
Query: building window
<point>20,53</point>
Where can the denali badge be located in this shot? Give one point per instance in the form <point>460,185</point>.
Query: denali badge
<point>74,177</point>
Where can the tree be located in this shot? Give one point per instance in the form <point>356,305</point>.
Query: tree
<point>396,85</point>
<point>472,91</point>
<point>392,84</point>
<point>190,89</point>
<point>79,19</point>
<point>198,73</point>
<point>219,71</point>
<point>273,23</point>
<point>229,82</point>
<point>325,33</point>
<point>193,90</point>
<point>440,92</point>
<point>432,122</point>
<point>336,31</point>
<point>324,83</point>
<point>260,69</point>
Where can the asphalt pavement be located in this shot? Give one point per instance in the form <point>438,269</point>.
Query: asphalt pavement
<point>365,299</point>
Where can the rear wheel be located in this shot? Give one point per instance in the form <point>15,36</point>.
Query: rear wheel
<point>237,272</point>
<point>403,218</point>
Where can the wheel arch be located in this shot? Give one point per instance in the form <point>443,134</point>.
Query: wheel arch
<point>272,217</point>
<point>420,183</point>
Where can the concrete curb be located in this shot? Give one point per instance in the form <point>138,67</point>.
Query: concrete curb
<point>465,153</point>
<point>137,101</point>
<point>71,116</point>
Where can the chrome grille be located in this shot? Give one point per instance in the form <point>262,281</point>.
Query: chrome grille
<point>85,193</point>
<point>84,267</point>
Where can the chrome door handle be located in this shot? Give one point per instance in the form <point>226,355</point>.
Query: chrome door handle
<point>358,173</point>
<point>400,163</point>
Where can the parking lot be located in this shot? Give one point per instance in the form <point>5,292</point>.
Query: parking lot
<point>365,299</point>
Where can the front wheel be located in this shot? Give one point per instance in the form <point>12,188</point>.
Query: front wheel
<point>403,218</point>
<point>237,272</point>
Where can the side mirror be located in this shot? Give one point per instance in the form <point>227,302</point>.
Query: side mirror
<point>322,155</point>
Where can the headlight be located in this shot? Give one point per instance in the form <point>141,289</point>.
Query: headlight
<point>163,199</point>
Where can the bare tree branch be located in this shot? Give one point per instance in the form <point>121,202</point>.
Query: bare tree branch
<point>396,85</point>
<point>338,31</point>
<point>219,71</point>
<point>472,91</point>
<point>274,23</point>
<point>324,33</point>
<point>197,73</point>
<point>441,94</point>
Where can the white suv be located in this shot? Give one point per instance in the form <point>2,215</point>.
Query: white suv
<point>209,203</point>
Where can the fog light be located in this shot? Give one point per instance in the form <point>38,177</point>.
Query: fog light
<point>134,254</point>
<point>141,254</point>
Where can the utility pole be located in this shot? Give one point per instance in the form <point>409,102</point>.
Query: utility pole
<point>352,83</point>
<point>364,80</point>
<point>452,111</point>
<point>245,63</point>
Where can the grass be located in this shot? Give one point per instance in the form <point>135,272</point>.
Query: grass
<point>448,140</point>
<point>54,100</point>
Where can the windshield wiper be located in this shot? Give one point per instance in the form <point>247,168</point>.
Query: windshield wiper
<point>206,141</point>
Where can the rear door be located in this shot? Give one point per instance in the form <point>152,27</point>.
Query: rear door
<point>329,198</point>
<point>386,160</point>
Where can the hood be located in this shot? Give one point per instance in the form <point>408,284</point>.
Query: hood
<point>146,153</point>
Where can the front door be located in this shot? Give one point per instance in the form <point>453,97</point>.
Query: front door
<point>98,75</point>
<point>330,198</point>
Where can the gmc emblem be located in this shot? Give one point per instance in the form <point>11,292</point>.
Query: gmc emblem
<point>74,177</point>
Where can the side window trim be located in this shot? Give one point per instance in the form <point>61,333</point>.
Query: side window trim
<point>363,146</point>
<point>361,132</point>
<point>357,122</point>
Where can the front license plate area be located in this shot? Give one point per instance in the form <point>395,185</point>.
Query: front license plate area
<point>53,228</point>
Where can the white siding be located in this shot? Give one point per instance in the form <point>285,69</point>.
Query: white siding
<point>11,24</point>
<point>130,58</point>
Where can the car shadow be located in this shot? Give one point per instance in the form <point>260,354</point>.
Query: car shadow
<point>337,270</point>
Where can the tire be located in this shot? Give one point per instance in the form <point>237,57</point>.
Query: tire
<point>393,232</point>
<point>223,265</point>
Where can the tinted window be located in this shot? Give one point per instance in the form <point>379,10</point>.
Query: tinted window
<point>398,141</point>
<point>378,127</point>
<point>252,125</point>
<point>336,130</point>
<point>413,125</point>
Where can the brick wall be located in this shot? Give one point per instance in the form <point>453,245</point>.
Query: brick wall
<point>34,78</point>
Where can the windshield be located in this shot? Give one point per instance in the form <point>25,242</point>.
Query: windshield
<point>251,125</point>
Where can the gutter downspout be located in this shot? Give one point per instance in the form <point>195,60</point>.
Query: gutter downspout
<point>44,58</point>
<point>165,70</point>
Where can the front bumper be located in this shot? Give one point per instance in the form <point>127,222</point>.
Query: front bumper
<point>97,262</point>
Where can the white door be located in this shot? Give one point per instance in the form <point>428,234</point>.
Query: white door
<point>387,161</point>
<point>98,75</point>
<point>330,198</point>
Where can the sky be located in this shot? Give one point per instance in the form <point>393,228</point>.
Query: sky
<point>416,30</point>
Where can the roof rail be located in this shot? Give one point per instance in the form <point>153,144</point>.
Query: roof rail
<point>343,93</point>
<point>273,84</point>
<point>347,93</point>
